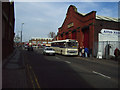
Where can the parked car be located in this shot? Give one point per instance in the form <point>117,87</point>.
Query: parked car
<point>30,48</point>
<point>35,46</point>
<point>25,46</point>
<point>48,51</point>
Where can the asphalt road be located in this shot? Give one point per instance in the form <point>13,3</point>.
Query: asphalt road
<point>69,72</point>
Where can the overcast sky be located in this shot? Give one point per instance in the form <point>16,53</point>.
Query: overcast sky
<point>40,18</point>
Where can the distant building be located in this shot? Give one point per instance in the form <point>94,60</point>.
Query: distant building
<point>8,20</point>
<point>17,40</point>
<point>55,38</point>
<point>40,41</point>
<point>85,28</point>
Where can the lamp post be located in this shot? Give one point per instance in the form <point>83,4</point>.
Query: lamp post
<point>21,31</point>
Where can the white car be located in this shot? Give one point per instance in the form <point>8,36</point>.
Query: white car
<point>25,46</point>
<point>48,51</point>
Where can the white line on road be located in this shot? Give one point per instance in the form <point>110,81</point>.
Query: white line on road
<point>67,61</point>
<point>57,58</point>
<point>101,74</point>
<point>64,61</point>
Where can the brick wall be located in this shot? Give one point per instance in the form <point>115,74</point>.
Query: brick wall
<point>7,28</point>
<point>80,23</point>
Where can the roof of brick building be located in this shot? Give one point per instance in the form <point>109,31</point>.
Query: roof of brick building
<point>98,16</point>
<point>103,18</point>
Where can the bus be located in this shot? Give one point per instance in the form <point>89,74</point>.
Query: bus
<point>65,47</point>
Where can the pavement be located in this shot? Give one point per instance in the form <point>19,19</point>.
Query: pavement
<point>13,71</point>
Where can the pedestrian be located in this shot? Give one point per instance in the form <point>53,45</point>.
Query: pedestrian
<point>90,53</point>
<point>86,52</point>
<point>83,52</point>
<point>116,53</point>
<point>80,51</point>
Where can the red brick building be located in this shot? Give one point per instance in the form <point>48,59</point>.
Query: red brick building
<point>40,41</point>
<point>85,27</point>
<point>8,20</point>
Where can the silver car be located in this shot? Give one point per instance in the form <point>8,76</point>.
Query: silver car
<point>48,51</point>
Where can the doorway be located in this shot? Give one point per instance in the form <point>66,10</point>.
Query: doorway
<point>86,37</point>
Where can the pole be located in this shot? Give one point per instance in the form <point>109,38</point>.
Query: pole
<point>21,36</point>
<point>21,32</point>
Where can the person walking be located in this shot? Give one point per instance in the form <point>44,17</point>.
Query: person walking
<point>116,53</point>
<point>80,51</point>
<point>90,53</point>
<point>86,52</point>
<point>83,52</point>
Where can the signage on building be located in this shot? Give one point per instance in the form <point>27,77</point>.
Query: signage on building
<point>109,35</point>
<point>70,25</point>
<point>107,31</point>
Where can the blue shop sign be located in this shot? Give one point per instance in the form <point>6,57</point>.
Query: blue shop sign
<point>110,32</point>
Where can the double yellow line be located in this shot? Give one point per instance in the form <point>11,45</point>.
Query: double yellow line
<point>34,80</point>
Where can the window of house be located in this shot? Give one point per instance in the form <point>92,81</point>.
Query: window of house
<point>70,25</point>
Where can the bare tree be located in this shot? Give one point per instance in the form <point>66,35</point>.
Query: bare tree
<point>51,34</point>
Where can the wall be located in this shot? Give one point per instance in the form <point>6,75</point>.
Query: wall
<point>7,28</point>
<point>102,24</point>
<point>80,22</point>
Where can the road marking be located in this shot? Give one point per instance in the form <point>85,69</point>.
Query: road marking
<point>101,74</point>
<point>30,76</point>
<point>57,58</point>
<point>64,61</point>
<point>35,77</point>
<point>67,61</point>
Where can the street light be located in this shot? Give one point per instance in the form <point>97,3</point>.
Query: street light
<point>21,31</point>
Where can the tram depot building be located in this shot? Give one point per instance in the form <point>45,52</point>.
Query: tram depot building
<point>85,28</point>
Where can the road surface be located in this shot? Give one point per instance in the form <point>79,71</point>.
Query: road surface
<point>69,72</point>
